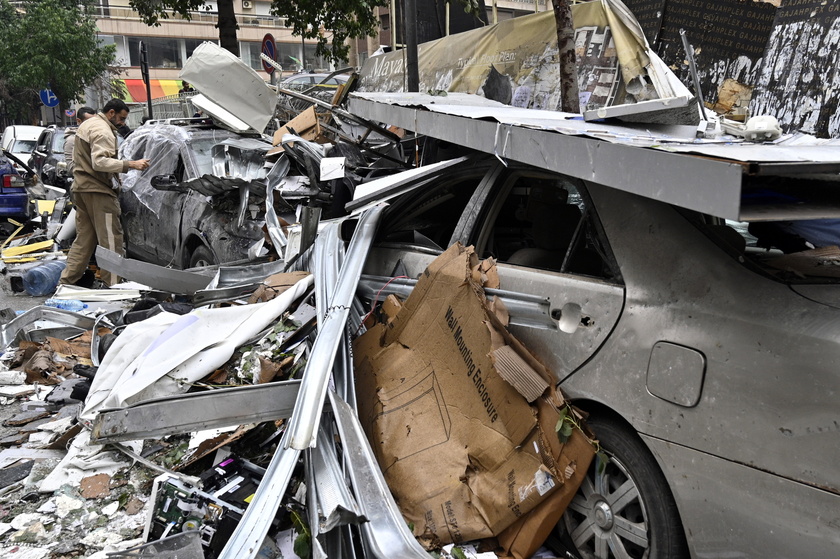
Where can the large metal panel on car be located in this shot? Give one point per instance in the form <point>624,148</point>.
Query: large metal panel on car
<point>794,178</point>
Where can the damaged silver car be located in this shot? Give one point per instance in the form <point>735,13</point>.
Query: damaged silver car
<point>201,201</point>
<point>706,365</point>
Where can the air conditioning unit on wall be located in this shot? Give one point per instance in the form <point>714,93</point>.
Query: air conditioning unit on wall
<point>246,4</point>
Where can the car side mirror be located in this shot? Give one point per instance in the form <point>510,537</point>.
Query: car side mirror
<point>165,182</point>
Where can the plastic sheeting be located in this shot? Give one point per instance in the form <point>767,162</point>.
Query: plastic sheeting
<point>160,144</point>
<point>515,62</point>
<point>167,146</point>
<point>163,355</point>
<point>82,460</point>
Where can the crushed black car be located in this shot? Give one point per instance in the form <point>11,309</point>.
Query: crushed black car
<point>187,209</point>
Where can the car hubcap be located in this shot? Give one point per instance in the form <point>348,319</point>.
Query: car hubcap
<point>606,519</point>
<point>603,515</point>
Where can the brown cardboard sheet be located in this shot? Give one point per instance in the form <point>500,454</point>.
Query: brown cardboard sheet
<point>464,453</point>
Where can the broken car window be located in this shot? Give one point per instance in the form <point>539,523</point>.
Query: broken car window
<point>428,216</point>
<point>804,251</point>
<point>543,222</point>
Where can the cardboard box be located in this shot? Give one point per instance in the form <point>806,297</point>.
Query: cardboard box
<point>524,537</point>
<point>464,453</point>
<point>305,124</point>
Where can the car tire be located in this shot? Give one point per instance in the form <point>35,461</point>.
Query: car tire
<point>202,256</point>
<point>625,510</point>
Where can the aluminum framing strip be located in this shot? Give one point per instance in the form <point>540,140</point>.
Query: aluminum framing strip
<point>246,539</point>
<point>157,277</point>
<point>275,178</point>
<point>334,499</point>
<point>343,377</point>
<point>230,276</point>
<point>222,294</point>
<point>367,123</point>
<point>386,534</point>
<point>327,254</point>
<point>306,416</point>
<point>95,338</point>
<point>328,258</point>
<point>524,310</point>
<point>9,331</point>
<point>698,183</point>
<point>198,411</point>
<point>313,505</point>
<point>411,179</point>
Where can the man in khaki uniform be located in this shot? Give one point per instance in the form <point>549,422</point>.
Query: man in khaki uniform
<point>95,180</point>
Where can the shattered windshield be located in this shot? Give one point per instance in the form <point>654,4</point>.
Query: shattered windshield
<point>58,143</point>
<point>23,146</point>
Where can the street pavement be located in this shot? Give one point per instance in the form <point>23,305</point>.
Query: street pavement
<point>17,301</point>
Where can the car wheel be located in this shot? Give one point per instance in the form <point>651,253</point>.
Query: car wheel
<point>624,509</point>
<point>202,256</point>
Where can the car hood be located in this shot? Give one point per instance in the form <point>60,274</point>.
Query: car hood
<point>236,92</point>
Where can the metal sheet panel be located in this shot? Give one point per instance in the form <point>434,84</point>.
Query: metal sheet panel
<point>158,277</point>
<point>709,186</point>
<point>197,412</point>
<point>231,84</point>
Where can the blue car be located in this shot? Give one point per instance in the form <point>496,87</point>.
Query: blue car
<point>14,201</point>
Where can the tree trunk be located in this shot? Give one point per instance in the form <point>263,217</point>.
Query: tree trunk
<point>411,62</point>
<point>570,96</point>
<point>227,26</point>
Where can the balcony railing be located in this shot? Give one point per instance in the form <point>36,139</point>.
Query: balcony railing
<point>250,20</point>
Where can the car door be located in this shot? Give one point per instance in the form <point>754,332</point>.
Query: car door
<point>39,155</point>
<point>151,217</point>
<point>563,289</point>
<point>550,249</point>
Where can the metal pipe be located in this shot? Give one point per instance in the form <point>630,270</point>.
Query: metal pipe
<point>524,309</point>
<point>689,54</point>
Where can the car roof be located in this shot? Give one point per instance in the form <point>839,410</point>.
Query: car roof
<point>318,77</point>
<point>26,130</point>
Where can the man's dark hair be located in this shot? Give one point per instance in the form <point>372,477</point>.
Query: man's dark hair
<point>117,105</point>
<point>80,114</point>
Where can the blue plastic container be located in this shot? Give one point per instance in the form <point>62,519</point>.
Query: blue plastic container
<point>41,280</point>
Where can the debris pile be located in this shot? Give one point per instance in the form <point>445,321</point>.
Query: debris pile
<point>223,423</point>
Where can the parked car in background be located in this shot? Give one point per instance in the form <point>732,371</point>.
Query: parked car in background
<point>20,140</point>
<point>183,210</point>
<point>709,376</point>
<point>48,157</point>
<point>14,201</point>
<point>320,86</point>
<point>300,82</point>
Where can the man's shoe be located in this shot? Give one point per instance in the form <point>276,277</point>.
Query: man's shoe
<point>86,280</point>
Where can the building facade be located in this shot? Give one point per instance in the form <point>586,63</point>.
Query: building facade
<point>173,41</point>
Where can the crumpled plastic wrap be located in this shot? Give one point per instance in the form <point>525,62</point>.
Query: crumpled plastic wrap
<point>167,147</point>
